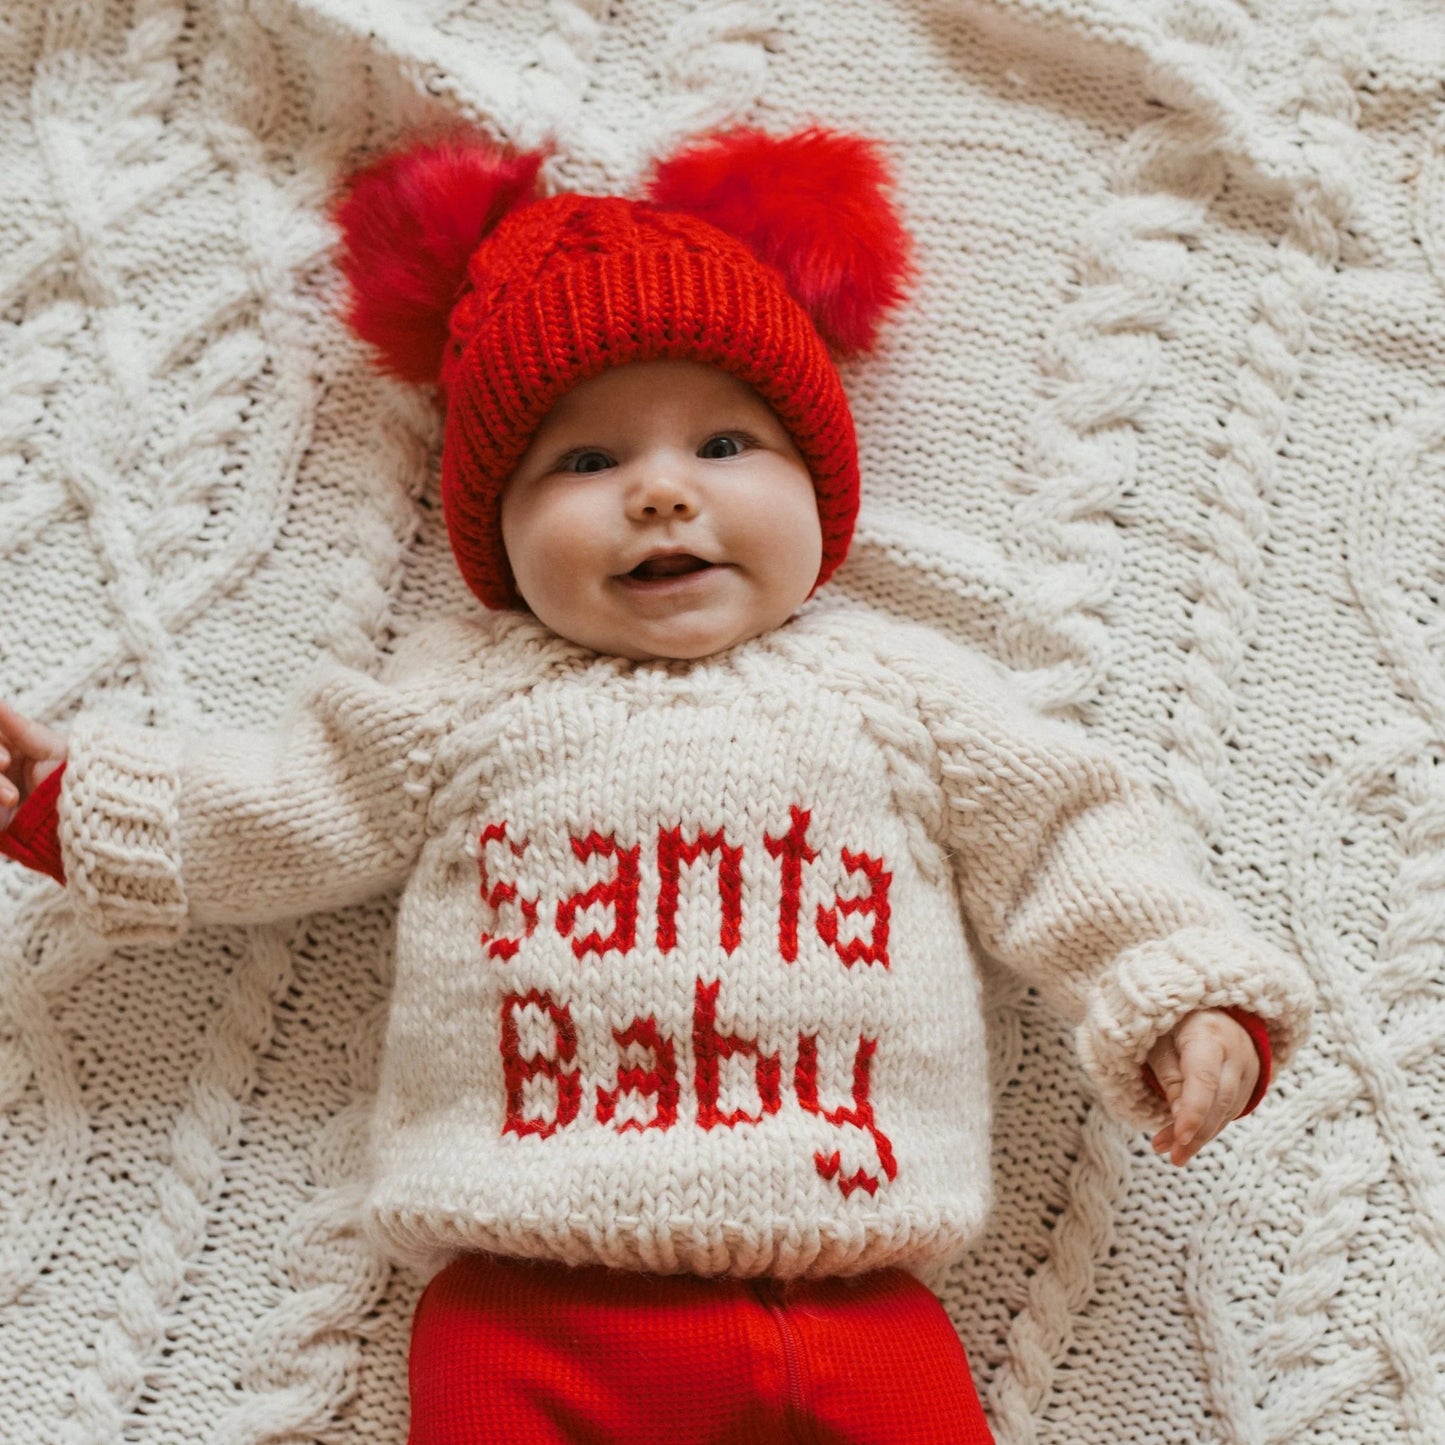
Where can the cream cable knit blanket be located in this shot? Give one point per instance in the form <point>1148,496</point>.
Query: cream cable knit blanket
<point>1163,426</point>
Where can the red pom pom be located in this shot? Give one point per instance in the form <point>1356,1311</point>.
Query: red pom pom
<point>815,206</point>
<point>409,224</point>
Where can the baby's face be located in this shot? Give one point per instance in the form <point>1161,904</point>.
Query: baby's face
<point>662,511</point>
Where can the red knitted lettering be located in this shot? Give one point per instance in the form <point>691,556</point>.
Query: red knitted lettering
<point>710,1047</point>
<point>501,892</point>
<point>875,901</point>
<point>672,853</point>
<point>860,1115</point>
<point>516,1071</point>
<point>619,892</point>
<point>792,851</point>
<point>658,1082</point>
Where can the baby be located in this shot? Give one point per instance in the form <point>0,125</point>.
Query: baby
<point>685,1070</point>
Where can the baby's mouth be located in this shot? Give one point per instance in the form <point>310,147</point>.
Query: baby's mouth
<point>671,564</point>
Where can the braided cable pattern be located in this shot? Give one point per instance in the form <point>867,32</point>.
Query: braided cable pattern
<point>1221,221</point>
<point>1235,492</point>
<point>41,1090</point>
<point>170,1242</point>
<point>1042,1333</point>
<point>1267,1392</point>
<point>1100,365</point>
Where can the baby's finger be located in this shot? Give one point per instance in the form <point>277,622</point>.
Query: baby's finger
<point>24,736</point>
<point>42,770</point>
<point>11,722</point>
<point>1196,1098</point>
<point>1164,1060</point>
<point>1225,1105</point>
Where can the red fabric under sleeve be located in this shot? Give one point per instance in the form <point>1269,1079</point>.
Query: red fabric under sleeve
<point>33,837</point>
<point>1259,1036</point>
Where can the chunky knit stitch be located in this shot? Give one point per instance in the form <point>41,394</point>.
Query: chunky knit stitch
<point>1162,427</point>
<point>683,981</point>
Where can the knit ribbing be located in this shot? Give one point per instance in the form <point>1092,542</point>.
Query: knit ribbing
<point>124,871</point>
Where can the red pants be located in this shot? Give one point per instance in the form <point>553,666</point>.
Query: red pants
<point>534,1354</point>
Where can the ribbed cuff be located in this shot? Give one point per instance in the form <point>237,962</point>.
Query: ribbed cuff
<point>33,837</point>
<point>120,832</point>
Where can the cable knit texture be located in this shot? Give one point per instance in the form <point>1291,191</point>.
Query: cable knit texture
<point>1160,428</point>
<point>680,982</point>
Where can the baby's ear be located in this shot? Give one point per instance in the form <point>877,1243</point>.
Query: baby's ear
<point>409,224</point>
<point>816,206</point>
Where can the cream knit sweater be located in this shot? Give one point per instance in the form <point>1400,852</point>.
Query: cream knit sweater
<point>685,974</point>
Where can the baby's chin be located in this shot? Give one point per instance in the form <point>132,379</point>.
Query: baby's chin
<point>686,638</point>
<point>672,624</point>
<point>663,646</point>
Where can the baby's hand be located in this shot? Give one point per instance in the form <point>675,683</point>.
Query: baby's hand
<point>29,753</point>
<point>1207,1068</point>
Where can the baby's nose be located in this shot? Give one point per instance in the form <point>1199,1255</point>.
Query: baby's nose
<point>664,491</point>
<point>678,508</point>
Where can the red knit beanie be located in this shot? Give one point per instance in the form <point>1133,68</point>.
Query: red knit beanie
<point>750,253</point>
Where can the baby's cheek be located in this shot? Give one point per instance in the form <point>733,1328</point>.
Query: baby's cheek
<point>794,556</point>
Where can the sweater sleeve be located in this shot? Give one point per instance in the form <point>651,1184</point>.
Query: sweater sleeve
<point>158,829</point>
<point>1069,873</point>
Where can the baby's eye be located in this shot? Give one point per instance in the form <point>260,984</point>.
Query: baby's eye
<point>729,444</point>
<point>589,459</point>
